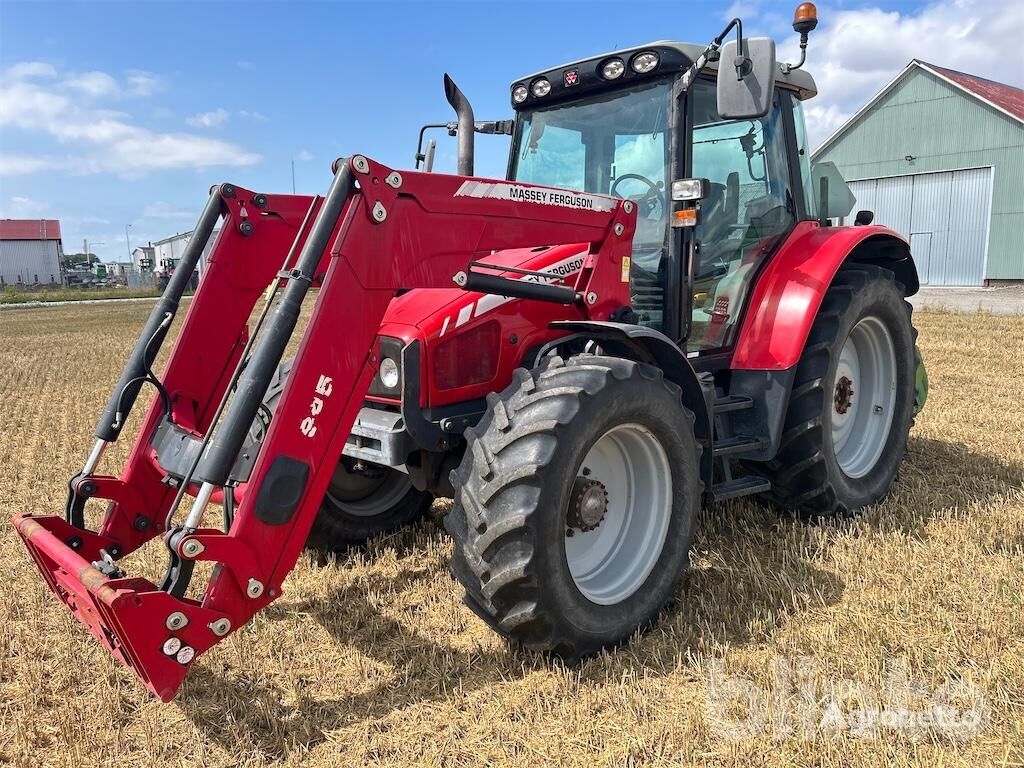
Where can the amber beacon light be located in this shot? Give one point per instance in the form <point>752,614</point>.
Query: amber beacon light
<point>805,19</point>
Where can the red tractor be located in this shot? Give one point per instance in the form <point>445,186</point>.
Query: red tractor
<point>651,310</point>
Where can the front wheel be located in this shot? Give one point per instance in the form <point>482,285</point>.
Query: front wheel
<point>576,503</point>
<point>363,500</point>
<point>852,401</point>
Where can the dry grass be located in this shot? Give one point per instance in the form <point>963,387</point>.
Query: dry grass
<point>374,659</point>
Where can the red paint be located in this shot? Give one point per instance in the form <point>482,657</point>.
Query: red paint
<point>788,293</point>
<point>429,235</point>
<point>29,229</point>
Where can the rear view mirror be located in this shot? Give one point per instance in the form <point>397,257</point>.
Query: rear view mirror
<point>746,83</point>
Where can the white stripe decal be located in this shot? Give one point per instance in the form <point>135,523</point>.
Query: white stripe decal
<point>445,326</point>
<point>561,198</point>
<point>464,314</point>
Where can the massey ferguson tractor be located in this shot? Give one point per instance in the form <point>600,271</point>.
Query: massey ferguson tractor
<point>650,312</point>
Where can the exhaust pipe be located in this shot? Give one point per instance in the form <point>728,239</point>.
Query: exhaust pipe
<point>467,125</point>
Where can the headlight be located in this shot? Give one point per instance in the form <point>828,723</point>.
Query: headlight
<point>541,87</point>
<point>389,375</point>
<point>644,62</point>
<point>519,94</point>
<point>612,69</point>
<point>388,381</point>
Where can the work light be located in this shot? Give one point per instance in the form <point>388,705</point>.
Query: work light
<point>541,87</point>
<point>644,62</point>
<point>612,69</point>
<point>519,94</point>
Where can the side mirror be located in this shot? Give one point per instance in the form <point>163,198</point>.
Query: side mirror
<point>746,83</point>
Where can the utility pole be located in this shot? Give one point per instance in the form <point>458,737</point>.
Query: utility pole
<point>128,240</point>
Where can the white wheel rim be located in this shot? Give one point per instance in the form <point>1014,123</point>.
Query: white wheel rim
<point>611,562</point>
<point>863,397</point>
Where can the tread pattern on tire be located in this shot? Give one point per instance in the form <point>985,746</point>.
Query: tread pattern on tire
<point>497,493</point>
<point>798,472</point>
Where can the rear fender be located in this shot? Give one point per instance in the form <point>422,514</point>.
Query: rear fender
<point>790,290</point>
<point>647,345</point>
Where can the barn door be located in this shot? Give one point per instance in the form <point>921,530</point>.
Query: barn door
<point>921,249</point>
<point>944,215</point>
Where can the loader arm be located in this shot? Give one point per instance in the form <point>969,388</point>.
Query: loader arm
<point>376,232</point>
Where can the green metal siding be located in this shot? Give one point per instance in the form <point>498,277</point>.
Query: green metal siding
<point>944,129</point>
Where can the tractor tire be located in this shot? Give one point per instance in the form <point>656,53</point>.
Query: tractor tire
<point>357,505</point>
<point>852,401</point>
<point>576,504</point>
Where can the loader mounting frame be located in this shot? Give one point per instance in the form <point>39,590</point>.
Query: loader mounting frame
<point>377,231</point>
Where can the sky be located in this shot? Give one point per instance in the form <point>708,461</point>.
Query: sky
<point>117,117</point>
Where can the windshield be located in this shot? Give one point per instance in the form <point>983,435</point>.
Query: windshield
<point>612,144</point>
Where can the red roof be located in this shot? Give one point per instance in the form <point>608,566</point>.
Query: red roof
<point>29,229</point>
<point>1005,97</point>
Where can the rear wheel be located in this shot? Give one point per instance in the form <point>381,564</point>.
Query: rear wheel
<point>575,504</point>
<point>363,500</point>
<point>852,402</point>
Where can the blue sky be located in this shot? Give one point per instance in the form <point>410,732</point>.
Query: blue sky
<point>124,113</point>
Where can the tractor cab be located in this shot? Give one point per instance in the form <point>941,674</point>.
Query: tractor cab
<point>637,124</point>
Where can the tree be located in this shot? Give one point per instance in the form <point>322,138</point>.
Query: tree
<point>72,260</point>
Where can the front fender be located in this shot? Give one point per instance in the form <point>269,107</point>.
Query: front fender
<point>788,293</point>
<point>650,346</point>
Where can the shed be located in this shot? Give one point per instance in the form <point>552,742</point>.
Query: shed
<point>938,155</point>
<point>31,252</point>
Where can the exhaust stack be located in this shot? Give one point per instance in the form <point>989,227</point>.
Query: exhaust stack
<point>466,125</point>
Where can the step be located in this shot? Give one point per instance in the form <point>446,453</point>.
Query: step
<point>733,403</point>
<point>737,444</point>
<point>741,486</point>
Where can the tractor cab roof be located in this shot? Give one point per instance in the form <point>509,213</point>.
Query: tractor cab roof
<point>573,79</point>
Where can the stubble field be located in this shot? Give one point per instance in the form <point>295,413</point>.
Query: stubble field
<point>780,634</point>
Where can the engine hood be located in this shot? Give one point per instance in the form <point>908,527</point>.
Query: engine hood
<point>430,310</point>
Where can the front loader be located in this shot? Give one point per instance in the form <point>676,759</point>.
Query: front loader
<point>578,365</point>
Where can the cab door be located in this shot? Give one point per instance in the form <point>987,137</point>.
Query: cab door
<point>749,208</point>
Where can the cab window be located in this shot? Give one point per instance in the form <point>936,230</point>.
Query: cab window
<point>616,144</point>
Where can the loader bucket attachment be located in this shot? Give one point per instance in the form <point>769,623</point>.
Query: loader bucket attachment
<point>376,232</point>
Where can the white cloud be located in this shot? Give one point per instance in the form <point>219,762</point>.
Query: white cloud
<point>141,83</point>
<point>304,155</point>
<point>95,84</point>
<point>744,9</point>
<point>28,69</point>
<point>70,111</point>
<point>217,117</point>
<point>854,53</point>
<point>162,210</point>
<point>21,165</point>
<point>24,208</point>
<point>259,117</point>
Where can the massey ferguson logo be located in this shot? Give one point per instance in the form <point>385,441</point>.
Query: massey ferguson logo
<point>572,77</point>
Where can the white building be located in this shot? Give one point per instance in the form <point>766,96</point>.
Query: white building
<point>166,253</point>
<point>31,252</point>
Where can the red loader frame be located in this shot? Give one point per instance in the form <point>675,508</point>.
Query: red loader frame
<point>395,231</point>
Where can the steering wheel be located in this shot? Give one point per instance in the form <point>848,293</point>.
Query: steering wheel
<point>655,189</point>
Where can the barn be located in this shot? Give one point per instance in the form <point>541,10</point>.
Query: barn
<point>31,252</point>
<point>938,155</point>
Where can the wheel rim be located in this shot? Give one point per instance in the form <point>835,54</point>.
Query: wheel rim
<point>863,397</point>
<point>364,495</point>
<point>611,561</point>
